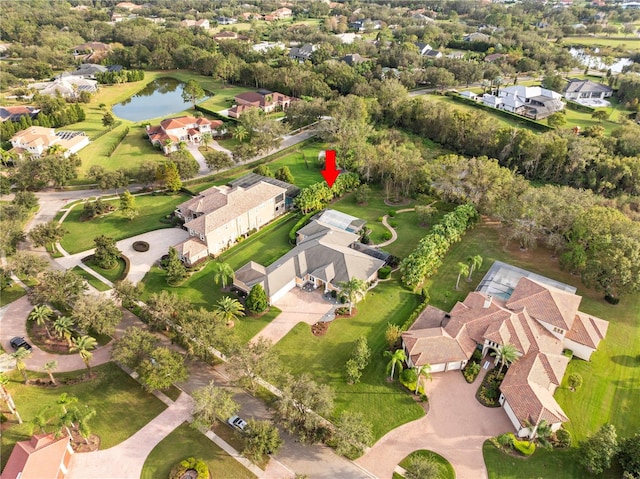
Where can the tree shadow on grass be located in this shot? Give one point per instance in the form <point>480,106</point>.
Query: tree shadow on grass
<point>626,360</point>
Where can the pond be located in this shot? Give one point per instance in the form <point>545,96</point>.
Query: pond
<point>596,62</point>
<point>161,97</point>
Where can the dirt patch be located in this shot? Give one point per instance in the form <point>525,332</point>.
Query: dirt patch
<point>53,344</point>
<point>320,328</point>
<point>80,444</point>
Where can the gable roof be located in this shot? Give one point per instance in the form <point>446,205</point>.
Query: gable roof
<point>37,458</point>
<point>588,330</point>
<point>579,86</point>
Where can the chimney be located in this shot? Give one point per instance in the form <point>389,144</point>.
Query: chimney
<point>487,301</point>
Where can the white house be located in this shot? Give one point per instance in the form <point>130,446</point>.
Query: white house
<point>536,315</point>
<point>35,140</point>
<point>581,90</point>
<point>530,101</point>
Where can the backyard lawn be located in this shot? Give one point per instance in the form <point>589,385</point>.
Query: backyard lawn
<point>91,279</point>
<point>385,405</point>
<point>186,442</point>
<point>305,173</point>
<point>113,274</point>
<point>610,391</point>
<point>121,404</point>
<point>152,208</point>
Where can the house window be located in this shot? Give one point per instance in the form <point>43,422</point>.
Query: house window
<point>558,330</point>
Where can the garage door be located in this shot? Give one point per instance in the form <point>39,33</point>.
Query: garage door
<point>454,365</point>
<point>282,291</point>
<point>437,368</point>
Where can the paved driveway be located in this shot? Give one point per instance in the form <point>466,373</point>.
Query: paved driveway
<point>141,262</point>
<point>455,428</point>
<point>297,305</point>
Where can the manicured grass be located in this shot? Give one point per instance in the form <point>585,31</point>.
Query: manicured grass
<point>445,469</point>
<point>248,326</point>
<point>91,279</point>
<point>557,463</point>
<point>121,404</point>
<point>610,392</point>
<point>224,97</point>
<point>385,405</point>
<point>113,274</point>
<point>10,294</point>
<point>304,173</point>
<point>80,234</point>
<point>627,43</point>
<point>185,442</point>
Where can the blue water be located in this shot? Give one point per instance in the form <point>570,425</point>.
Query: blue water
<point>159,98</point>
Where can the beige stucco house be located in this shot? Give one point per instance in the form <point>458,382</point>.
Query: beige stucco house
<point>536,315</point>
<point>35,140</point>
<point>327,253</point>
<point>220,215</point>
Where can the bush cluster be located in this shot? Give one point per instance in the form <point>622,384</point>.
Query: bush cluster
<point>489,390</point>
<point>188,464</point>
<point>384,272</point>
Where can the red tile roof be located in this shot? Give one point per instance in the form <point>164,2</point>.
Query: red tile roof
<point>38,458</point>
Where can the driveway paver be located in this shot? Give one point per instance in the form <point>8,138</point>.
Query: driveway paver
<point>456,427</point>
<point>297,305</point>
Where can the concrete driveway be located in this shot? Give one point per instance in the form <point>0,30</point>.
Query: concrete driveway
<point>141,262</point>
<point>297,305</point>
<point>455,427</point>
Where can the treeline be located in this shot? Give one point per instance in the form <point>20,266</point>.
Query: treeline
<point>123,76</point>
<point>605,165</point>
<point>318,195</point>
<point>56,119</point>
<point>425,260</point>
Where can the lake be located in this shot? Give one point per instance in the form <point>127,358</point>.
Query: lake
<point>596,62</point>
<point>159,98</point>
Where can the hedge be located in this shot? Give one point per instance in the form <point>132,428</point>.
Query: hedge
<point>525,448</point>
<point>120,137</point>
<point>299,224</point>
<point>572,105</point>
<point>507,114</point>
<point>215,114</point>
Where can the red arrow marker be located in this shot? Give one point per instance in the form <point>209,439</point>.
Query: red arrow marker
<point>330,172</point>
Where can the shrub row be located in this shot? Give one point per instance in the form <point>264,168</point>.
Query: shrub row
<point>299,224</point>
<point>526,448</point>
<point>425,260</point>
<point>215,114</point>
<point>120,137</point>
<point>572,105</point>
<point>105,131</point>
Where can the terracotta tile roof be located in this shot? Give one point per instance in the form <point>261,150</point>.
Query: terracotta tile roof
<point>178,122</point>
<point>545,303</point>
<point>37,458</point>
<point>588,330</point>
<point>432,346</point>
<point>431,317</point>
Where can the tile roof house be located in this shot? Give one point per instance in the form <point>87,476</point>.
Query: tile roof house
<point>327,253</point>
<point>170,132</point>
<point>476,37</point>
<point>586,89</point>
<point>93,51</point>
<point>35,140</point>
<point>41,457</point>
<point>85,70</point>
<point>67,87</point>
<point>267,100</point>
<point>218,216</point>
<point>530,101</point>
<point>14,113</point>
<point>203,23</point>
<point>354,59</point>
<point>302,53</point>
<point>533,314</point>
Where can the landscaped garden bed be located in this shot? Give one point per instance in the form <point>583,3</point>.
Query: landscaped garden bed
<point>489,391</point>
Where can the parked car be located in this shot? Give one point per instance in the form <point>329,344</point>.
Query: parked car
<point>19,342</point>
<point>237,422</point>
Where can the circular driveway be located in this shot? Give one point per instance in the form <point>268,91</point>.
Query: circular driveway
<point>456,427</point>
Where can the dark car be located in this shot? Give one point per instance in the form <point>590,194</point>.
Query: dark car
<point>19,342</point>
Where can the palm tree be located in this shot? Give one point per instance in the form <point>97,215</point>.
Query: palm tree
<point>82,345</point>
<point>66,417</point>
<point>6,397</point>
<point>506,354</point>
<point>396,359</point>
<point>543,434</point>
<point>355,289</point>
<point>49,367</point>
<point>20,355</point>
<point>41,315</point>
<point>206,138</point>
<point>422,371</point>
<point>476,262</point>
<point>463,270</point>
<point>222,272</point>
<point>63,328</point>
<point>498,81</point>
<point>230,309</point>
<point>240,133</point>
<point>168,143</point>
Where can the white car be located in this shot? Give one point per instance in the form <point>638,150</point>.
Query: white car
<point>237,422</point>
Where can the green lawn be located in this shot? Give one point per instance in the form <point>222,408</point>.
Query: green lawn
<point>91,279</point>
<point>10,294</point>
<point>626,43</point>
<point>304,173</point>
<point>185,442</point>
<point>611,378</point>
<point>385,405</point>
<point>80,234</point>
<point>224,97</point>
<point>122,405</point>
<point>113,274</point>
<point>556,464</point>
<point>445,469</point>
